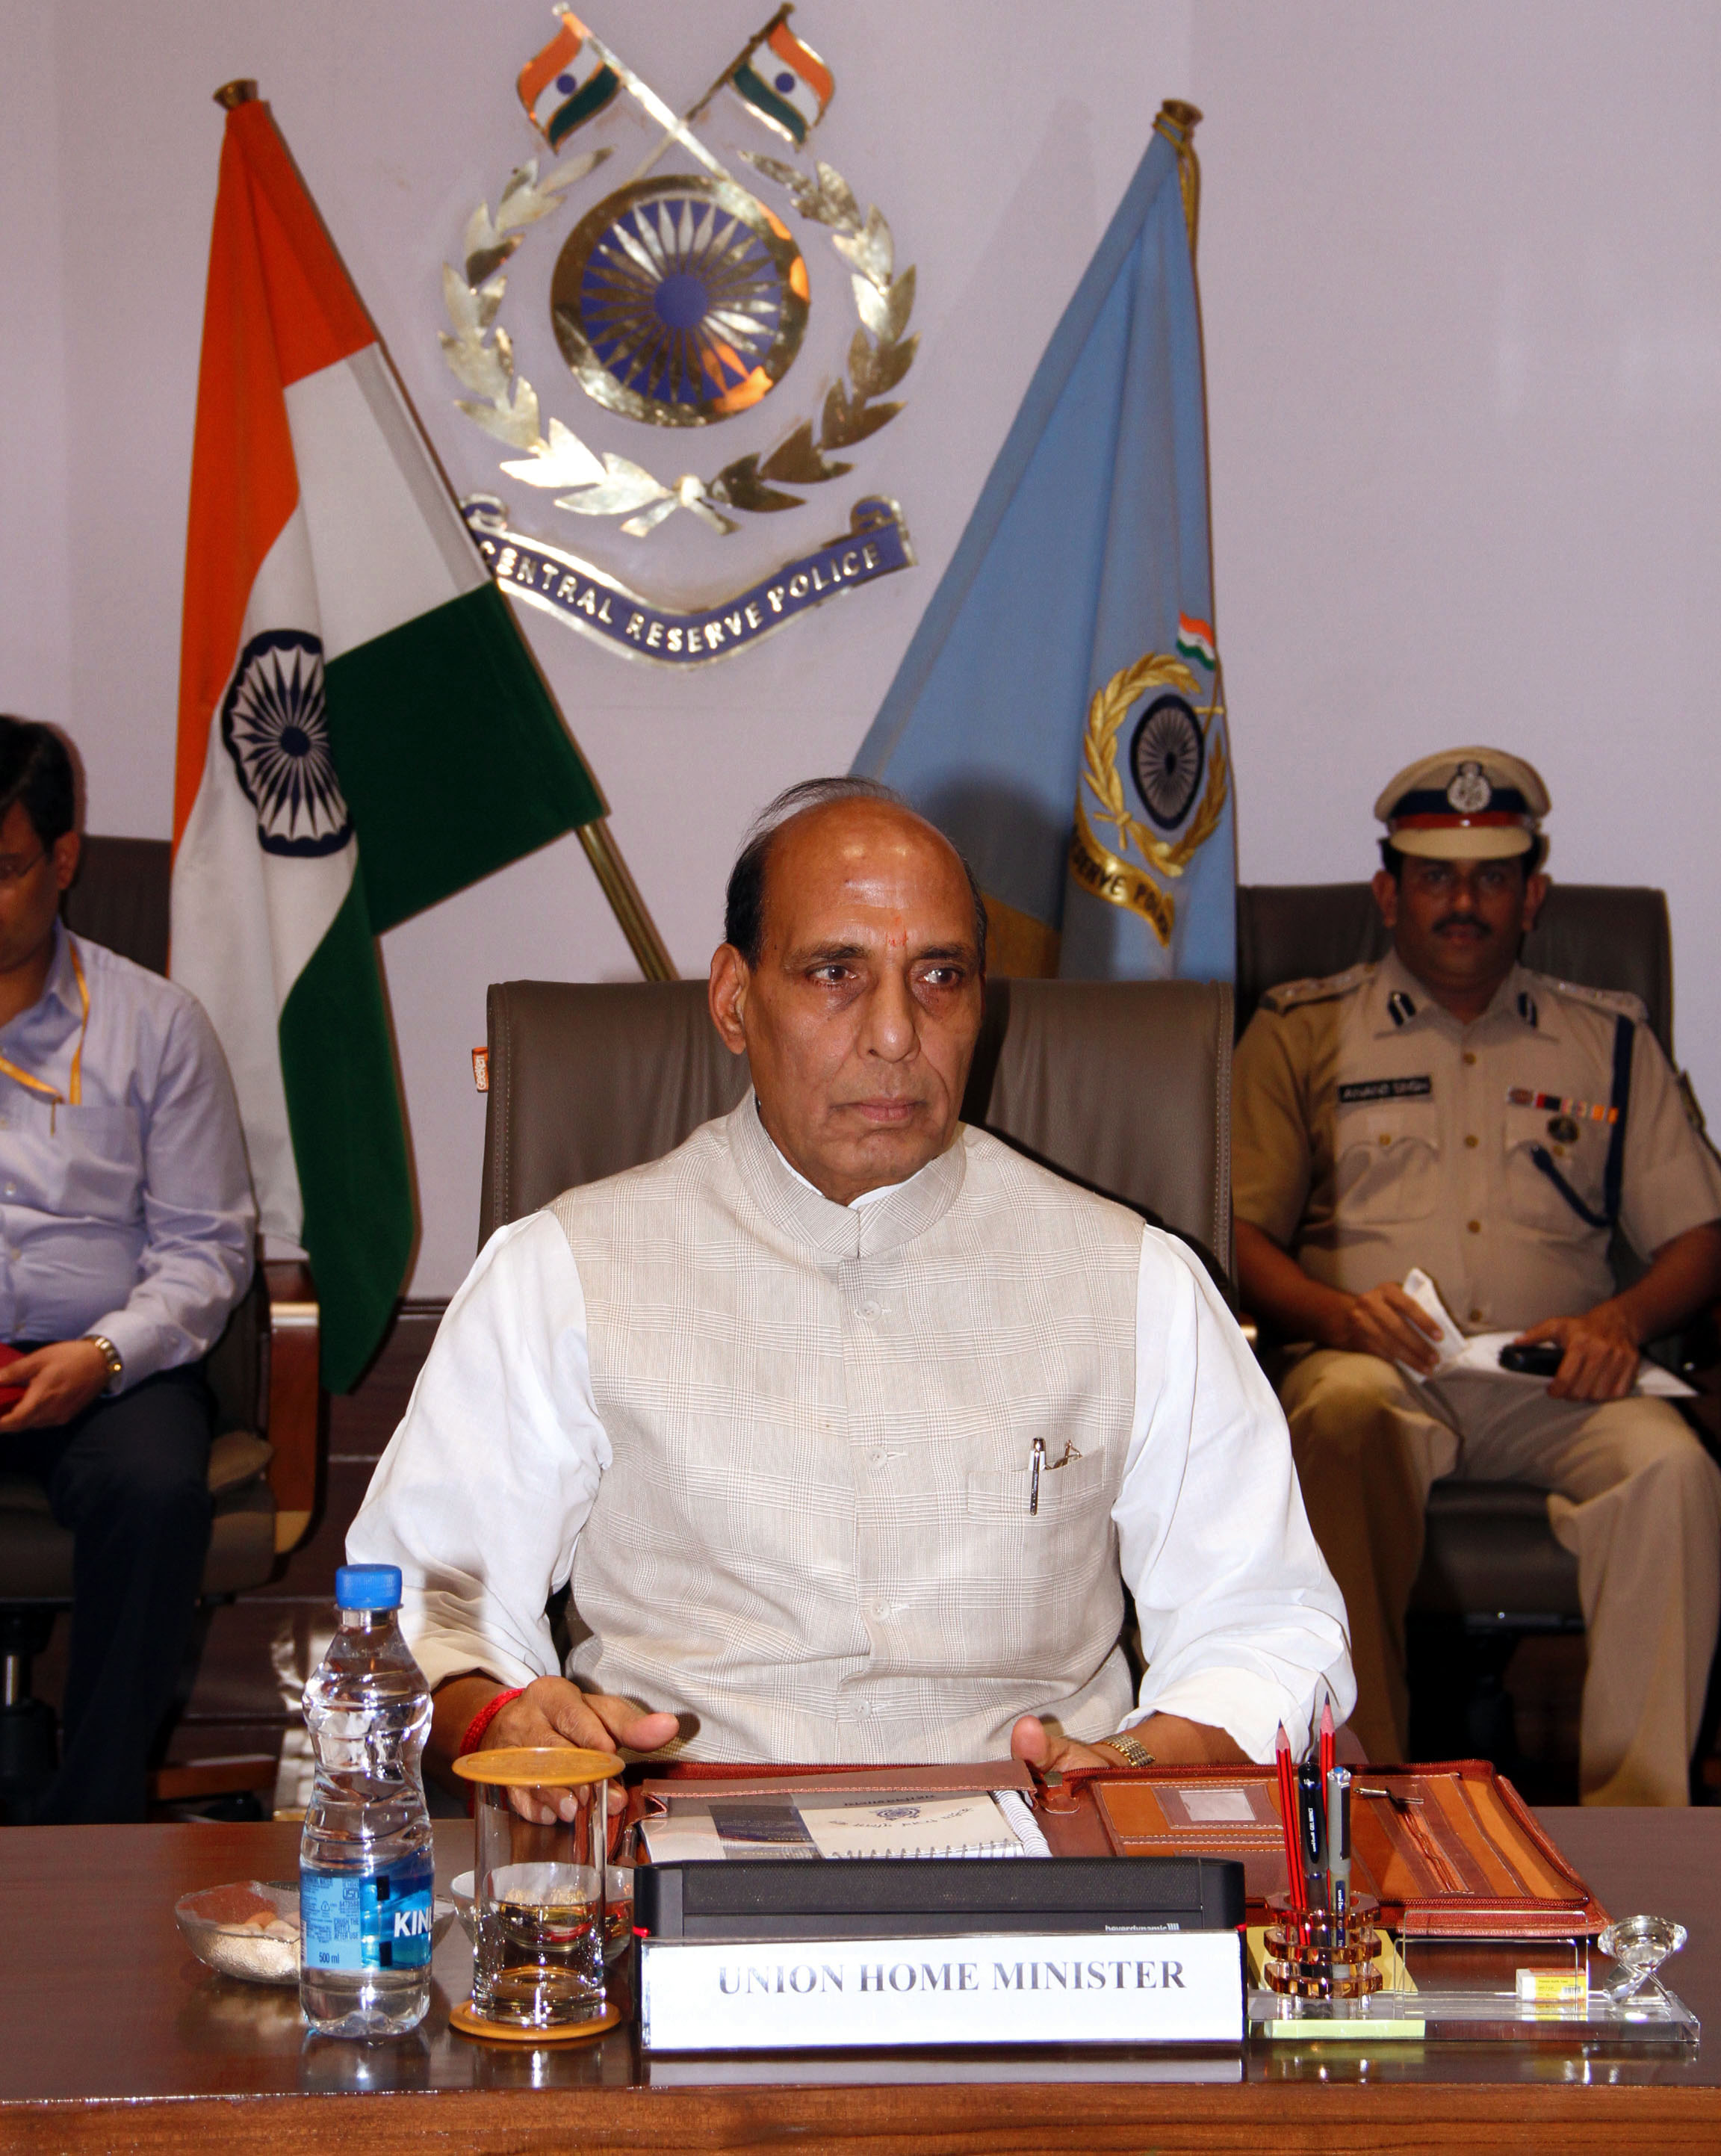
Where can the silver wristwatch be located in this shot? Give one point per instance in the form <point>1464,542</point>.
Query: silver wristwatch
<point>111,1356</point>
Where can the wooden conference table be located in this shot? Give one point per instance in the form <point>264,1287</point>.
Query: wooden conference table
<point>113,2037</point>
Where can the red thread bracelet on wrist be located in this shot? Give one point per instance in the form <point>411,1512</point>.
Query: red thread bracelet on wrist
<point>482,1720</point>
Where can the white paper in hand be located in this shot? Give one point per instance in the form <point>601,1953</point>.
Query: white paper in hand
<point>1481,1352</point>
<point>1450,1346</point>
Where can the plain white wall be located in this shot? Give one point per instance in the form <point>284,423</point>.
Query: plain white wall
<point>1461,269</point>
<point>1459,277</point>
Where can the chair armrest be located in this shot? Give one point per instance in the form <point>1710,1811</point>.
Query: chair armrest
<point>295,1400</point>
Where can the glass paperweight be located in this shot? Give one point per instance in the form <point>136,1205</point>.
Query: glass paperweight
<point>1640,1945</point>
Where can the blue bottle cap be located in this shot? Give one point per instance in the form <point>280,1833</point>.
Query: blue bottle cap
<point>368,1587</point>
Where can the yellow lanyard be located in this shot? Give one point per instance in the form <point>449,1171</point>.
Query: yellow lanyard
<point>40,1086</point>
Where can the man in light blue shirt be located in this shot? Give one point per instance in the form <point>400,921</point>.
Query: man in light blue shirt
<point>127,1233</point>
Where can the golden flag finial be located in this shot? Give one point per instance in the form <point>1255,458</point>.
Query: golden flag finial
<point>242,91</point>
<point>1177,122</point>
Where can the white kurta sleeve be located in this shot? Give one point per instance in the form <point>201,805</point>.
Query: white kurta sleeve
<point>1242,1626</point>
<point>482,1493</point>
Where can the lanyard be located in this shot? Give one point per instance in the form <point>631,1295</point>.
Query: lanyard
<point>40,1086</point>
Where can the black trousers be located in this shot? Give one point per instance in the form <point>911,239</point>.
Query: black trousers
<point>130,1478</point>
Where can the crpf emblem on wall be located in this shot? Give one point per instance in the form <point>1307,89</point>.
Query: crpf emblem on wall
<point>680,300</point>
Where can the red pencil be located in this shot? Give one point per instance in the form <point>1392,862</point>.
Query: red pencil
<point>1288,1819</point>
<point>1328,1758</point>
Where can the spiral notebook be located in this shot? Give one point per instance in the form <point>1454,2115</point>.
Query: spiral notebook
<point>800,1824</point>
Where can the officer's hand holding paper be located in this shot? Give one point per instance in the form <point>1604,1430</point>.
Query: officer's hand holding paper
<point>1480,1352</point>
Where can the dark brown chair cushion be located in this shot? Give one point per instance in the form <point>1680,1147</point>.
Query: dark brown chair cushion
<point>120,898</point>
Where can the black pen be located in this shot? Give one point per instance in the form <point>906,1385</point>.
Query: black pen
<point>1036,1462</point>
<point>1311,1821</point>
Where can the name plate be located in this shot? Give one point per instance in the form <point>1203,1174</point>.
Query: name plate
<point>985,1988</point>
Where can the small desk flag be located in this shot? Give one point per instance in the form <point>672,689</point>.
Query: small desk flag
<point>1059,711</point>
<point>361,729</point>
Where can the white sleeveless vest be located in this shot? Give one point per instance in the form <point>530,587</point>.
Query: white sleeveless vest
<point>815,1540</point>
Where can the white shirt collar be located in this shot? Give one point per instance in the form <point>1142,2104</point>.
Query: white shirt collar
<point>866,1197</point>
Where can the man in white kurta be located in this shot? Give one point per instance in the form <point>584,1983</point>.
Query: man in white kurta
<point>846,1423</point>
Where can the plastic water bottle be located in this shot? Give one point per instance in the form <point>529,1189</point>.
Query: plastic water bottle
<point>366,1869</point>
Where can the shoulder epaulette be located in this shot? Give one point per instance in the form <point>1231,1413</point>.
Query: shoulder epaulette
<point>1620,1001</point>
<point>1289,995</point>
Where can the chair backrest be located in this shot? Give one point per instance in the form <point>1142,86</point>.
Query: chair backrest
<point>120,898</point>
<point>1124,1087</point>
<point>1604,936</point>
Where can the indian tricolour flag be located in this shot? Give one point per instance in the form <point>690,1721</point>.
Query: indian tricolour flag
<point>566,83</point>
<point>785,83</point>
<point>1195,640</point>
<point>361,729</point>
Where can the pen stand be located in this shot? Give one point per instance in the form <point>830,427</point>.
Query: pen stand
<point>539,1892</point>
<point>1318,1953</point>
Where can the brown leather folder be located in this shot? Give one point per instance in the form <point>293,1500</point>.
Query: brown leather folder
<point>1450,1851</point>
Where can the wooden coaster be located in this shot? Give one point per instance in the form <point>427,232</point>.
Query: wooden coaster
<point>538,1767</point>
<point>469,2023</point>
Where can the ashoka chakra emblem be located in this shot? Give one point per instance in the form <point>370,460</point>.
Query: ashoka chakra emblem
<point>679,301</point>
<point>275,724</point>
<point>1167,757</point>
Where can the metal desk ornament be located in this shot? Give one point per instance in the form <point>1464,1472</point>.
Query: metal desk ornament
<point>539,1895</point>
<point>680,300</point>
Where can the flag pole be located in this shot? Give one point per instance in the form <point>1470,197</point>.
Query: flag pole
<point>694,111</point>
<point>615,880</point>
<point>629,908</point>
<point>1177,122</point>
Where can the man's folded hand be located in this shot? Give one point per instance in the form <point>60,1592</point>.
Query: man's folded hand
<point>550,1711</point>
<point>60,1382</point>
<point>1171,1738</point>
<point>1600,1359</point>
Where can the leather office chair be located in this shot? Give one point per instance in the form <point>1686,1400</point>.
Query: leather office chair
<point>263,1466</point>
<point>1124,1087</point>
<point>1491,1567</point>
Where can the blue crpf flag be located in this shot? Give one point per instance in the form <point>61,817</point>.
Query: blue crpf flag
<point>1058,709</point>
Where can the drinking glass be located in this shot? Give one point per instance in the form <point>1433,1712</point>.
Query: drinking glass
<point>539,1886</point>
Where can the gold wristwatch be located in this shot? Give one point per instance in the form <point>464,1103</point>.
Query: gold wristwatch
<point>1134,1754</point>
<point>111,1356</point>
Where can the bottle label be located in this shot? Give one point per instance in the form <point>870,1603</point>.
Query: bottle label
<point>358,1920</point>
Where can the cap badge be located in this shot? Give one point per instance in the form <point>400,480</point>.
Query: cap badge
<point>1469,792</point>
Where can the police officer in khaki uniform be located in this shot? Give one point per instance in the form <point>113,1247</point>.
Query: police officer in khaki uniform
<point>1447,1109</point>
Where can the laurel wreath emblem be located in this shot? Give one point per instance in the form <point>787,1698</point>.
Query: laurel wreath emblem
<point>1099,761</point>
<point>479,353</point>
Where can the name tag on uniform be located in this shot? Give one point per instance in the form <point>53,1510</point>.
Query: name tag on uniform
<point>1385,1089</point>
